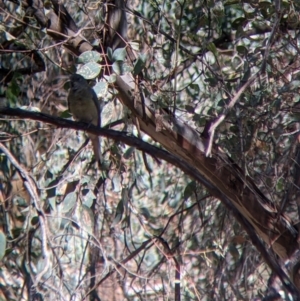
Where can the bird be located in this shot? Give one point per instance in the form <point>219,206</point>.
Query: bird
<point>85,107</point>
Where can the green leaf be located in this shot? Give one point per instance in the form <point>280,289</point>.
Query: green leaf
<point>65,114</point>
<point>189,190</point>
<point>119,213</point>
<point>119,55</point>
<point>189,108</point>
<point>211,81</point>
<point>212,47</point>
<point>118,67</point>
<point>194,88</point>
<point>51,192</point>
<point>264,3</point>
<point>238,22</point>
<point>242,49</point>
<point>89,70</point>
<point>139,64</point>
<point>2,245</point>
<point>34,220</point>
<point>199,119</point>
<point>16,232</point>
<point>280,185</point>
<point>145,212</point>
<point>13,90</point>
<point>129,152</point>
<point>110,54</point>
<point>90,57</point>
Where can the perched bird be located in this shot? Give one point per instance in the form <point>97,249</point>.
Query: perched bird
<point>85,107</point>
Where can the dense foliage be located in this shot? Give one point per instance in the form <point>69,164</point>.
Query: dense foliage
<point>141,229</point>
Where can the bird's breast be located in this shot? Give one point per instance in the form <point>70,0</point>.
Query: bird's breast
<point>84,109</point>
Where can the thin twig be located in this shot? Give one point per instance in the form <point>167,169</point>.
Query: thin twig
<point>220,118</point>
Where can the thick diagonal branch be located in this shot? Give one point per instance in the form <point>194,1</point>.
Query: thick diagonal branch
<point>182,140</point>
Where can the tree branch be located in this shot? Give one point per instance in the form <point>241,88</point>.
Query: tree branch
<point>191,170</point>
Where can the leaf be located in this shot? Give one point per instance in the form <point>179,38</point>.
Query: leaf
<point>194,89</point>
<point>69,202</point>
<point>13,90</point>
<point>89,70</point>
<point>119,213</point>
<point>264,3</point>
<point>118,67</point>
<point>212,81</point>
<point>199,119</point>
<point>242,49</point>
<point>2,245</point>
<point>238,22</point>
<point>127,68</point>
<point>51,192</point>
<point>89,57</point>
<point>111,79</point>
<point>9,37</point>
<point>189,190</point>
<point>280,185</point>
<point>89,198</point>
<point>129,152</point>
<point>125,222</point>
<point>34,221</point>
<point>110,54</point>
<point>65,114</point>
<point>135,46</point>
<point>52,202</point>
<point>145,212</point>
<point>212,47</point>
<point>139,64</point>
<point>119,55</point>
<point>16,232</point>
<point>101,88</point>
<point>189,108</point>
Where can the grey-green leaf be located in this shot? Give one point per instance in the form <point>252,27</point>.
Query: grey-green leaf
<point>89,70</point>
<point>69,202</point>
<point>89,57</point>
<point>2,245</point>
<point>118,67</point>
<point>110,54</point>
<point>119,213</point>
<point>111,78</point>
<point>101,88</point>
<point>129,152</point>
<point>119,55</point>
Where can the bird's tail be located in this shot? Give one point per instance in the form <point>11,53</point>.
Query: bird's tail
<point>96,142</point>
